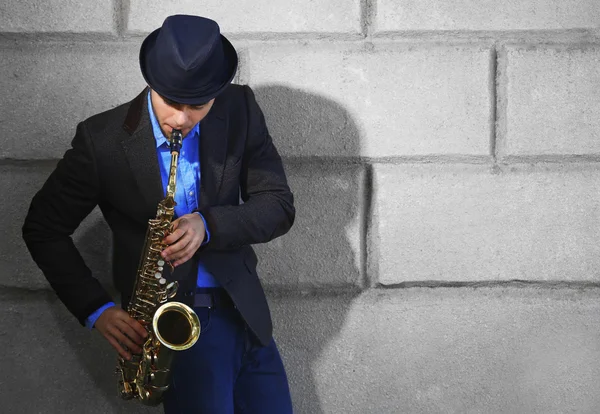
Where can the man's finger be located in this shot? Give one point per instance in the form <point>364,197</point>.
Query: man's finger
<point>189,252</point>
<point>116,333</point>
<point>169,252</point>
<point>175,223</point>
<point>138,327</point>
<point>131,333</point>
<point>124,354</point>
<point>124,339</point>
<point>176,235</point>
<point>178,249</point>
<point>182,260</point>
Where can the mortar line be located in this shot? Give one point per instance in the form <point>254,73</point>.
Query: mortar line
<point>539,37</point>
<point>22,289</point>
<point>501,102</point>
<point>243,74</point>
<point>521,283</point>
<point>551,159</point>
<point>590,160</point>
<point>47,292</point>
<point>332,291</point>
<point>493,102</point>
<point>367,13</point>
<point>365,226</point>
<point>31,162</point>
<point>121,17</point>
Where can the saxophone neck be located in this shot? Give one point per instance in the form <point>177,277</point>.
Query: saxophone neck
<point>175,143</point>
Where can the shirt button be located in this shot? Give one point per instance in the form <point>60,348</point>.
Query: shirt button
<point>182,152</point>
<point>191,193</point>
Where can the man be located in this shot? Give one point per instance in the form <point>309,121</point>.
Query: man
<point>119,160</point>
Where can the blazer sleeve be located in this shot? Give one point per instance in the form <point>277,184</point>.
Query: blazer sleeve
<point>268,209</point>
<point>69,194</point>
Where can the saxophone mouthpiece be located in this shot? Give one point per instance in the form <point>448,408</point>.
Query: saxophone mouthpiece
<point>176,140</point>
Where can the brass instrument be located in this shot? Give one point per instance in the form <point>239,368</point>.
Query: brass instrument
<point>171,326</point>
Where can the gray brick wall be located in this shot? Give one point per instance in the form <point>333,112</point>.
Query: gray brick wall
<point>58,16</point>
<point>500,15</point>
<point>473,223</point>
<point>553,100</point>
<point>258,16</point>
<point>376,86</point>
<point>444,159</point>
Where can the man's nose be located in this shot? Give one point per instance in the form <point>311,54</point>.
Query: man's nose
<point>181,118</point>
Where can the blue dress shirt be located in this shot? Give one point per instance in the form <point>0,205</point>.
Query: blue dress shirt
<point>186,193</point>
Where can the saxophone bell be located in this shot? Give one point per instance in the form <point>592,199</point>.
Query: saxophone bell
<point>176,326</point>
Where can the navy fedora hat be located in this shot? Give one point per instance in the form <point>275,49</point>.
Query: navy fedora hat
<point>188,60</point>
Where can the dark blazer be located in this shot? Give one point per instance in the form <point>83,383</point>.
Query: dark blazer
<point>113,164</point>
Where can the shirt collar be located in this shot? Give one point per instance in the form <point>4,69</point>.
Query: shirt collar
<point>158,134</point>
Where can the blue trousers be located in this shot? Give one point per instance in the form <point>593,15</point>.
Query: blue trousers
<point>227,371</point>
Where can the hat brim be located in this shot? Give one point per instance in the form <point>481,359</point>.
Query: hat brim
<point>231,63</point>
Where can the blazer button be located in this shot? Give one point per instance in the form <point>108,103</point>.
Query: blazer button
<point>189,293</point>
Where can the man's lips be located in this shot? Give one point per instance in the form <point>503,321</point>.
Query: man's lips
<point>169,129</point>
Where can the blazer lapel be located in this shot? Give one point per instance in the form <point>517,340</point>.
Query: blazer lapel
<point>213,149</point>
<point>140,150</point>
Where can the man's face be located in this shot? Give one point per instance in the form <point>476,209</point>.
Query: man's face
<point>172,115</point>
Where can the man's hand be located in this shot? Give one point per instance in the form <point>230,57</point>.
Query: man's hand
<point>121,330</point>
<point>187,236</point>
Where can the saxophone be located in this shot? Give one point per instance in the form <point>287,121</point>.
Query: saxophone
<point>171,326</point>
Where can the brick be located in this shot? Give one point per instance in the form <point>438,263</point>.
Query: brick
<point>395,15</point>
<point>466,223</point>
<point>92,238</point>
<point>379,102</point>
<point>61,84</point>
<point>552,101</point>
<point>323,247</point>
<point>47,349</point>
<point>332,16</point>
<point>445,350</point>
<point>58,16</point>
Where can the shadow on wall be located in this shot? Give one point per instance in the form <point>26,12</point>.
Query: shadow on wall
<point>314,272</point>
